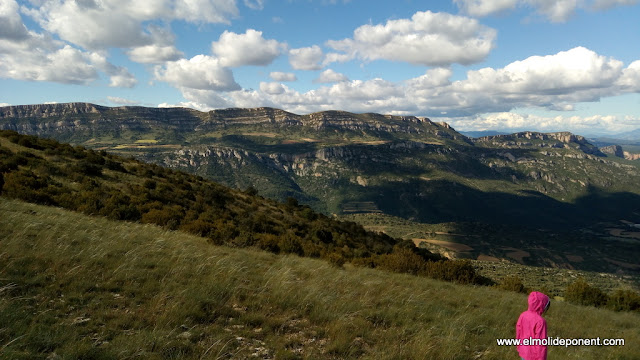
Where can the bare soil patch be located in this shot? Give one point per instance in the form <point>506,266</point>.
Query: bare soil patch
<point>445,244</point>
<point>483,257</point>
<point>517,254</point>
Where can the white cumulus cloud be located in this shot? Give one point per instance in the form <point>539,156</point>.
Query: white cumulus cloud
<point>11,26</point>
<point>330,76</point>
<point>432,39</point>
<point>160,50</point>
<point>272,88</point>
<point>553,10</point>
<point>630,79</point>
<point>249,48</point>
<point>507,121</point>
<point>154,54</point>
<point>307,58</point>
<point>555,82</point>
<point>485,7</point>
<point>201,72</point>
<point>121,101</point>
<point>282,76</point>
<point>91,24</point>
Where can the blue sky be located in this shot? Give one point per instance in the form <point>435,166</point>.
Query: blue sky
<point>506,65</point>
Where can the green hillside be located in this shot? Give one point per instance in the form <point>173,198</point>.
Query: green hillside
<point>96,183</point>
<point>80,287</point>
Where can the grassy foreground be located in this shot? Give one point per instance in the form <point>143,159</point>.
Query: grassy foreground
<point>83,287</point>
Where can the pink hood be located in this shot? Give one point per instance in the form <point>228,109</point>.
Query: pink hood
<point>532,325</point>
<point>537,302</point>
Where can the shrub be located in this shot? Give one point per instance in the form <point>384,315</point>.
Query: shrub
<point>86,168</point>
<point>118,206</point>
<point>581,293</point>
<point>27,186</point>
<point>459,271</point>
<point>268,242</point>
<point>290,244</point>
<point>336,259</point>
<point>403,261</point>
<point>292,203</point>
<point>115,166</point>
<point>624,300</point>
<point>513,283</point>
<point>198,227</point>
<point>28,141</point>
<point>168,216</point>
<point>149,184</point>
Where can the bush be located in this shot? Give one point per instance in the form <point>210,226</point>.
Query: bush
<point>459,271</point>
<point>168,217</point>
<point>198,227</point>
<point>27,186</point>
<point>290,244</point>
<point>28,141</point>
<point>403,261</point>
<point>268,242</point>
<point>84,167</point>
<point>115,166</point>
<point>149,184</point>
<point>513,283</point>
<point>292,203</point>
<point>624,300</point>
<point>336,260</point>
<point>581,293</point>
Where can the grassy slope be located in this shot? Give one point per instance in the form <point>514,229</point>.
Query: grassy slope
<point>85,287</point>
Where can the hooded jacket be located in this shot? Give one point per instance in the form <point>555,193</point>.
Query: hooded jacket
<point>531,324</point>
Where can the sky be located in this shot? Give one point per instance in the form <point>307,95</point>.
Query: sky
<point>505,65</point>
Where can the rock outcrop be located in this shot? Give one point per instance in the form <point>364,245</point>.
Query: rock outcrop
<point>616,150</point>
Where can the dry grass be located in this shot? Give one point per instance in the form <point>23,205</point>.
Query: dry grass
<point>83,287</point>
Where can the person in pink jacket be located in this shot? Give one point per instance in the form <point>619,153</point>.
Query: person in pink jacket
<point>531,325</point>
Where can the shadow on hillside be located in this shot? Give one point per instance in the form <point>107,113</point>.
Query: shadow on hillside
<point>420,161</point>
<point>444,201</point>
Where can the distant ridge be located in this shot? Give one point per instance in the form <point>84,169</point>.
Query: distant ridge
<point>479,134</point>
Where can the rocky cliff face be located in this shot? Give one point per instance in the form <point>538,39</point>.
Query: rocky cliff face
<point>535,139</point>
<point>88,120</point>
<point>48,110</point>
<point>616,150</point>
<point>47,119</point>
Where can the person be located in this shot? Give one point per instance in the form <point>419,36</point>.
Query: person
<point>531,325</point>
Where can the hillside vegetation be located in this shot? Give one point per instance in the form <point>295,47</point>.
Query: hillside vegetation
<point>96,183</point>
<point>80,287</point>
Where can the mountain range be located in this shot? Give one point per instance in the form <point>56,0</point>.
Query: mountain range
<point>556,196</point>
